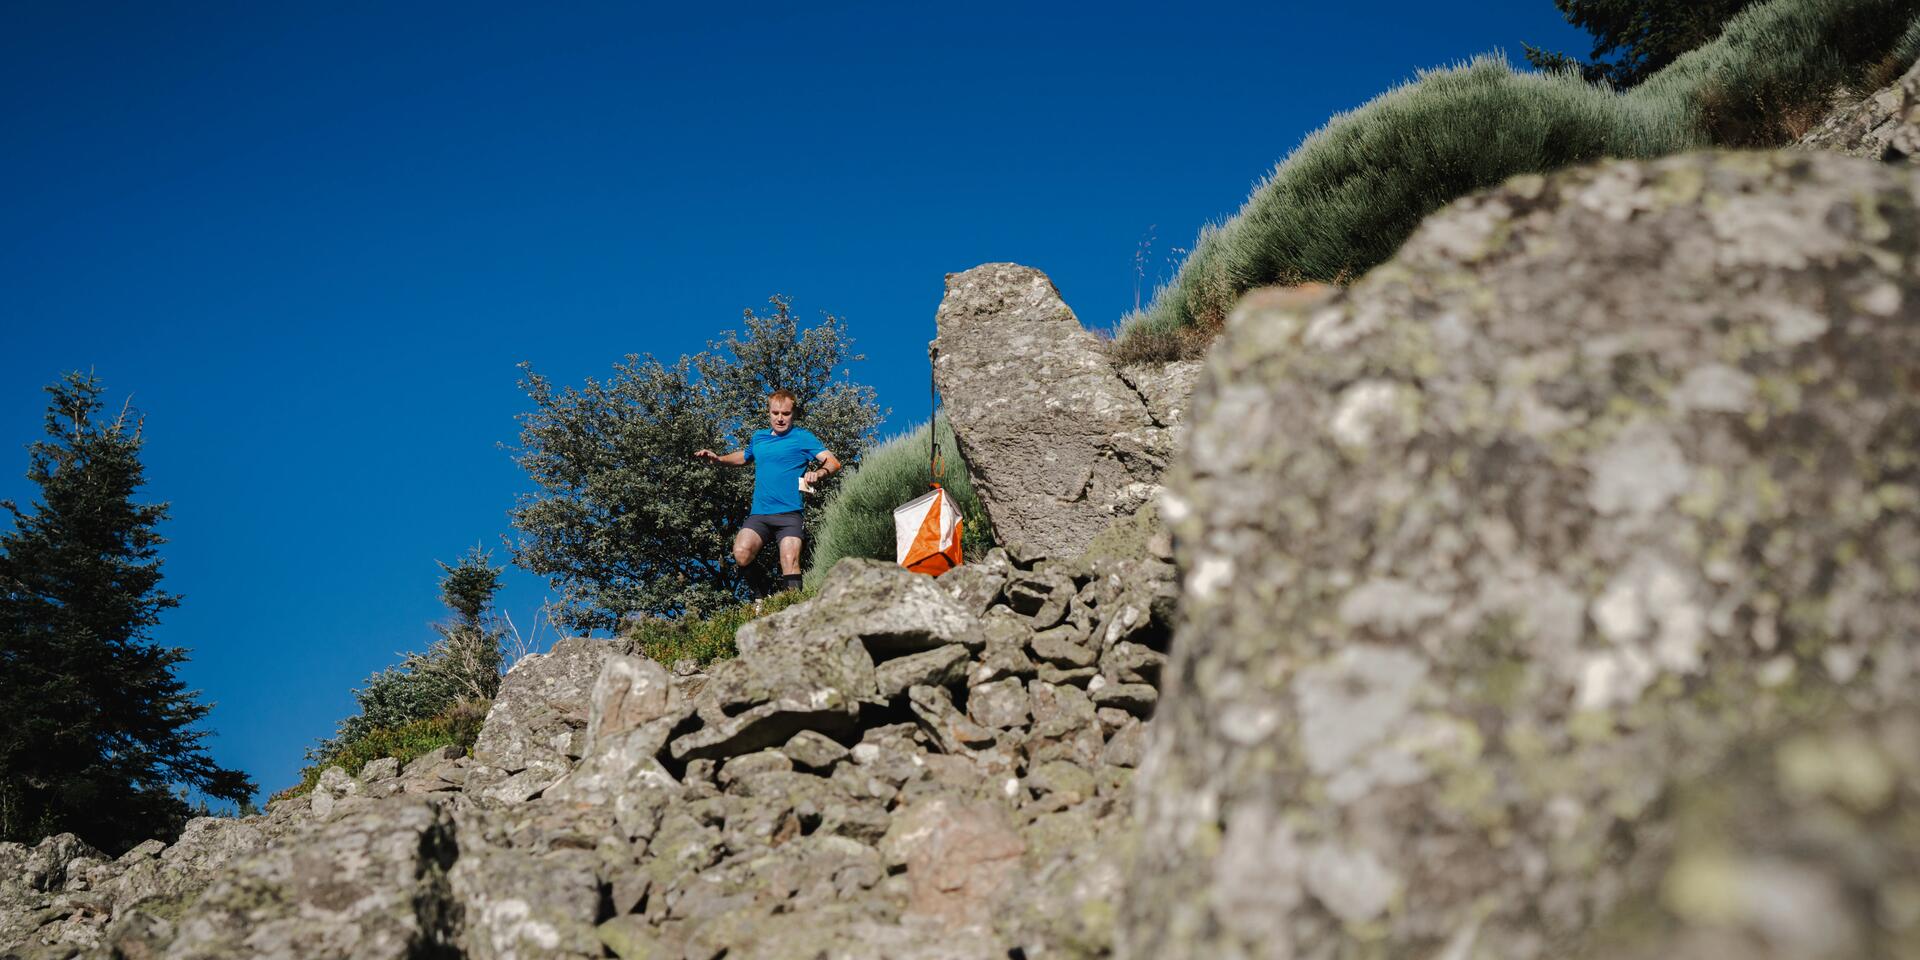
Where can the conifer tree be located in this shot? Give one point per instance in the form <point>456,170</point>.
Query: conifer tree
<point>99,734</point>
<point>1633,39</point>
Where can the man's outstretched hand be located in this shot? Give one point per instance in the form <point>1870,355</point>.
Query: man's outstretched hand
<point>707,455</point>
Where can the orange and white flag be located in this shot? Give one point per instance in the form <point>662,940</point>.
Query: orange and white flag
<point>926,533</point>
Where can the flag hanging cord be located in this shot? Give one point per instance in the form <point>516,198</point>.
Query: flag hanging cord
<point>934,469</point>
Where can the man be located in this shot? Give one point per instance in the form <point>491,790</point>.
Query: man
<point>779,456</point>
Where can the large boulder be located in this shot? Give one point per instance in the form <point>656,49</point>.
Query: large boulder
<point>537,724</point>
<point>370,885</point>
<point>1057,442</point>
<point>1553,590</point>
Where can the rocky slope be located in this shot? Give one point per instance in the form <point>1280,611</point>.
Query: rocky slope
<point>902,767</point>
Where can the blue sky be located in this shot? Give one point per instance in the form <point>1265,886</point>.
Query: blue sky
<point>314,240</point>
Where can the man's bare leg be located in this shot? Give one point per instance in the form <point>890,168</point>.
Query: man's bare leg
<point>746,546</point>
<point>790,561</point>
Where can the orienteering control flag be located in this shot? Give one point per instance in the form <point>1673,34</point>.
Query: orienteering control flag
<point>926,533</point>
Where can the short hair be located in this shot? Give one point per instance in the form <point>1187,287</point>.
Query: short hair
<point>783,394</point>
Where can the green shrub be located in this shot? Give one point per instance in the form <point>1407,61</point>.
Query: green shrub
<point>858,521</point>
<point>1346,198</point>
<point>703,639</point>
<point>1772,72</point>
<point>463,662</point>
<point>1352,192</point>
<point>457,725</point>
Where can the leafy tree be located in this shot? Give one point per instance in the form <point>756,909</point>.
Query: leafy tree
<point>625,520</point>
<point>1640,36</point>
<point>99,736</point>
<point>462,664</point>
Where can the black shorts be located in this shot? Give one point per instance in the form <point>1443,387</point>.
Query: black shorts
<point>774,527</point>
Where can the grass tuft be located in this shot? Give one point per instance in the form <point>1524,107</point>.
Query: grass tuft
<point>858,521</point>
<point>457,725</point>
<point>703,639</point>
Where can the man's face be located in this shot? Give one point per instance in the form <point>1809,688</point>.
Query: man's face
<point>780,414</point>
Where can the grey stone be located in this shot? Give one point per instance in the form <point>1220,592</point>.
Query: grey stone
<point>1135,698</point>
<point>961,859</point>
<point>938,667</point>
<point>370,884</point>
<point>998,705</point>
<point>1057,443</point>
<point>947,725</point>
<point>1167,390</point>
<point>1538,582</point>
<point>975,586</point>
<point>1004,656</point>
<point>747,765</point>
<point>763,699</point>
<point>886,608</point>
<point>385,768</point>
<point>814,751</point>
<point>1061,648</point>
<point>524,744</point>
<point>1042,596</point>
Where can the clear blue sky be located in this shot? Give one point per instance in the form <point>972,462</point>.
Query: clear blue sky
<point>313,240</point>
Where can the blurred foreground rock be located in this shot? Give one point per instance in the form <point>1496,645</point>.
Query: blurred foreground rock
<point>1554,591</point>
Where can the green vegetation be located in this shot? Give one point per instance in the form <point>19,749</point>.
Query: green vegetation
<point>1353,191</point>
<point>1771,74</point>
<point>99,734</point>
<point>462,664</point>
<point>858,521</point>
<point>625,520</point>
<point>703,639</point>
<point>458,725</point>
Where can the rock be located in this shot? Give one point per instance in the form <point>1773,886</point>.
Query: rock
<point>1060,648</point>
<point>890,610</point>
<point>1056,441</point>
<point>630,938</point>
<point>764,699</point>
<point>1042,596</point>
<point>1004,656</point>
<point>976,586</point>
<point>519,895</point>
<point>939,667</point>
<point>524,743</point>
<point>944,722</point>
<point>814,751</point>
<point>998,705</point>
<point>1135,698</point>
<point>1061,778</point>
<point>1167,390</point>
<point>370,884</point>
<point>960,859</point>
<point>1605,476</point>
<point>1883,125</point>
<point>632,711</point>
<point>384,768</point>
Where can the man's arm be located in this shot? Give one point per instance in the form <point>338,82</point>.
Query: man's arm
<point>829,465</point>
<point>738,458</point>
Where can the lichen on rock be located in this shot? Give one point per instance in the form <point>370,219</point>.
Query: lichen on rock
<point>1491,559</point>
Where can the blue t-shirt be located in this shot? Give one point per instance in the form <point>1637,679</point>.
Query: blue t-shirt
<point>778,461</point>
